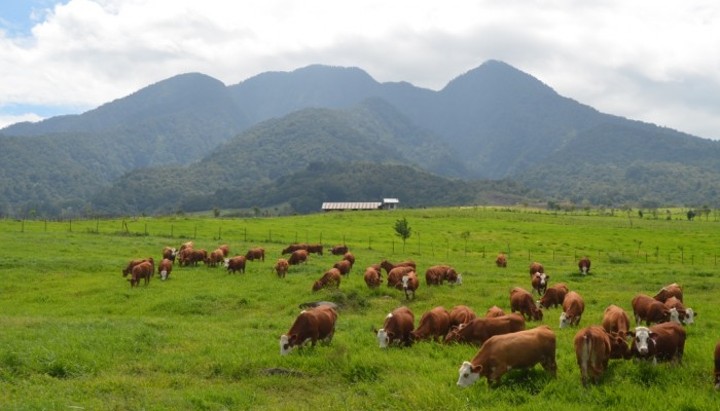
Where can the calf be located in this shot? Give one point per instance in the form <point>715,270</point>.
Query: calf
<point>344,266</point>
<point>592,351</point>
<point>434,324</point>
<point>522,301</point>
<point>257,253</point>
<point>397,328</point>
<point>331,278</point>
<point>553,296</point>
<point>615,320</point>
<point>672,290</point>
<point>410,284</point>
<point>235,264</point>
<point>501,260</point>
<point>297,257</point>
<point>536,267</point>
<point>573,308</point>
<point>461,314</point>
<point>494,311</point>
<point>664,342</point>
<point>650,310</point>
<point>372,277</point>
<point>165,268</point>
<point>539,282</point>
<point>584,265</point>
<point>281,267</point>
<point>500,353</point>
<point>142,270</point>
<point>480,329</point>
<point>315,324</point>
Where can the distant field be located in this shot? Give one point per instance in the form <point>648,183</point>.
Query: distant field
<point>74,335</point>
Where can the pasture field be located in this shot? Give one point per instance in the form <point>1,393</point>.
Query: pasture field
<point>74,335</point>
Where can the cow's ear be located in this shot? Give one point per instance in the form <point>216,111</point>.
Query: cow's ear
<point>292,338</point>
<point>477,369</point>
<point>652,334</point>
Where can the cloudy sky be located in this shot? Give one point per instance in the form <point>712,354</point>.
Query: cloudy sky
<point>656,61</point>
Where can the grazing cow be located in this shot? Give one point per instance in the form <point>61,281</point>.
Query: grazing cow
<point>615,320</point>
<point>397,328</point>
<point>350,258</point>
<point>494,311</point>
<point>257,253</point>
<point>191,256</point>
<point>553,296</point>
<point>344,266</point>
<point>281,267</point>
<point>717,366</point>
<point>388,266</point>
<point>477,331</point>
<point>410,284</point>
<point>225,250</point>
<point>235,264</point>
<point>315,324</point>
<point>461,314</point>
<point>165,268</point>
<point>536,267</point>
<point>143,270</point>
<point>584,265</point>
<point>453,277</point>
<point>315,249</point>
<point>128,269</point>
<point>187,245</point>
<point>672,290</point>
<point>435,275</point>
<point>649,310</point>
<point>664,342</point>
<point>297,257</point>
<point>539,282</point>
<point>573,308</point>
<point>434,324</point>
<point>169,253</point>
<point>331,278</point>
<point>686,315</point>
<point>372,277</point>
<point>500,353</point>
<point>501,260</point>
<point>522,301</point>
<point>339,249</point>
<point>592,350</point>
<point>396,274</point>
<point>216,257</point>
<point>294,247</point>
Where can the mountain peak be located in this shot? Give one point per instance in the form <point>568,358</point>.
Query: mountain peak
<point>495,76</point>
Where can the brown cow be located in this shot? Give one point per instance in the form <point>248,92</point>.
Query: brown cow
<point>435,275</point>
<point>664,342</point>
<point>297,257</point>
<point>315,249</point>
<point>461,314</point>
<point>554,296</point>
<point>225,249</point>
<point>281,267</point>
<point>501,260</point>
<point>584,265</point>
<point>372,277</point>
<point>500,353</point>
<point>331,278</point>
<point>388,266</point>
<point>315,324</point>
<point>257,253</point>
<point>536,267</point>
<point>615,320</point>
<point>573,308</point>
<point>410,284</point>
<point>686,315</point>
<point>143,270</point>
<point>672,290</point>
<point>539,282</point>
<point>350,258</point>
<point>717,366</point>
<point>434,324</point>
<point>592,350</point>
<point>216,257</point>
<point>397,328</point>
<point>339,249</point>
<point>480,329</point>
<point>235,264</point>
<point>169,253</point>
<point>649,310</point>
<point>294,247</point>
<point>522,301</point>
<point>190,256</point>
<point>344,266</point>
<point>128,269</point>
<point>396,274</point>
<point>165,268</point>
<point>494,311</point>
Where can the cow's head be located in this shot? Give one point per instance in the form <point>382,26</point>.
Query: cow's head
<point>317,285</point>
<point>384,337</point>
<point>405,281</point>
<point>468,374</point>
<point>459,279</point>
<point>643,340</point>
<point>287,343</point>
<point>537,313</point>
<point>674,315</point>
<point>565,320</point>
<point>163,275</point>
<point>689,316</point>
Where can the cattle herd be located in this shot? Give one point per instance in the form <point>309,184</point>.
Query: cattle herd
<point>504,340</point>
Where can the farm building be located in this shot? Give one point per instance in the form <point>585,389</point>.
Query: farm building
<point>386,204</point>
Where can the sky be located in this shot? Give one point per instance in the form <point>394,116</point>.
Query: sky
<point>656,61</point>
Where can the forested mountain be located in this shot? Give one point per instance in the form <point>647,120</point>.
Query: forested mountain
<point>190,137</point>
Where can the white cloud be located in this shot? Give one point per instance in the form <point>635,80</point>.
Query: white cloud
<point>647,60</point>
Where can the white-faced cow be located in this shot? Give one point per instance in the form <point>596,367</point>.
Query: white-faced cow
<point>397,329</point>
<point>316,324</point>
<point>584,265</point>
<point>539,282</point>
<point>573,308</point>
<point>660,342</point>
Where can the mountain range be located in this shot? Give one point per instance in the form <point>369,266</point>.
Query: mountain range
<point>320,133</point>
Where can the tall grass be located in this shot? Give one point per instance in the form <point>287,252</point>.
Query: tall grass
<point>74,335</point>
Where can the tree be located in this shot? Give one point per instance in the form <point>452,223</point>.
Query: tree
<point>402,230</point>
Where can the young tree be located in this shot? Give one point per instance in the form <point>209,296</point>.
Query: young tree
<point>402,230</point>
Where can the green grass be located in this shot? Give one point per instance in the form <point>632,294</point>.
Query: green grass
<point>74,335</point>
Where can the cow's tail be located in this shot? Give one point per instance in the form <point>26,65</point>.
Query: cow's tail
<point>585,354</point>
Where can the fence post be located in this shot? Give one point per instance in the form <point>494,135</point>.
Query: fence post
<point>172,230</point>
<point>22,226</point>
<point>146,229</point>
<point>70,225</point>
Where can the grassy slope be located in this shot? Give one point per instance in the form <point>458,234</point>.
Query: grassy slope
<point>75,334</point>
